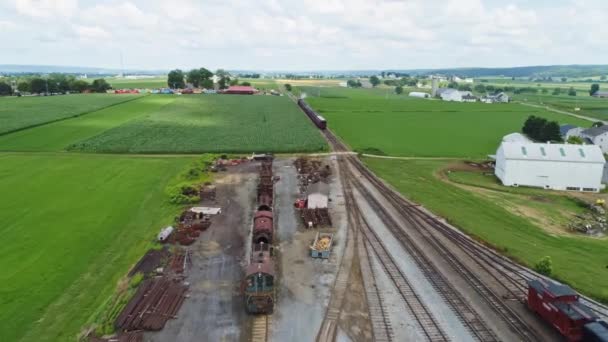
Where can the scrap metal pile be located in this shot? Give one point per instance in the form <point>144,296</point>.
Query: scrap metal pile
<point>157,300</point>
<point>207,193</point>
<point>152,260</point>
<point>190,226</point>
<point>318,217</point>
<point>311,171</point>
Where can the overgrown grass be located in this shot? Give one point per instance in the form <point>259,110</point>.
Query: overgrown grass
<point>184,189</point>
<point>579,261</point>
<point>73,224</point>
<point>22,112</point>
<point>214,124</point>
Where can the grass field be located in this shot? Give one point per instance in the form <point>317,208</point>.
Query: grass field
<point>580,261</point>
<point>378,122</point>
<point>213,123</point>
<point>142,83</point>
<point>22,112</point>
<point>588,106</point>
<point>59,135</point>
<point>73,224</point>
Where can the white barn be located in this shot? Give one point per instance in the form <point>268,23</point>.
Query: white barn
<point>318,196</point>
<point>419,94</point>
<point>550,166</point>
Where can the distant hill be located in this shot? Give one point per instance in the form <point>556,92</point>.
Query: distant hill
<point>47,69</point>
<point>525,71</point>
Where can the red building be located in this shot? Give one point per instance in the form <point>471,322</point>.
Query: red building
<point>240,90</point>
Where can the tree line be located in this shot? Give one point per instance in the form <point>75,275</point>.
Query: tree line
<point>53,84</point>
<point>203,78</point>
<point>540,129</point>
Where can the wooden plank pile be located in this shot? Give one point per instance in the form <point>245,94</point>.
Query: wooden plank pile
<point>157,300</point>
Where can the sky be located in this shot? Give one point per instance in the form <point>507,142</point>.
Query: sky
<point>304,34</point>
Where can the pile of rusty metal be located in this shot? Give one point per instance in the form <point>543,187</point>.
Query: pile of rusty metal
<point>315,217</point>
<point>207,193</point>
<point>179,261</point>
<point>152,260</point>
<point>266,183</point>
<point>190,226</point>
<point>311,171</point>
<point>157,300</point>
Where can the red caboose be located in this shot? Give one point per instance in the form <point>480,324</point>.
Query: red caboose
<point>262,228</point>
<point>558,305</point>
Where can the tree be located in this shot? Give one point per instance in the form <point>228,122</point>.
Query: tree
<point>194,77</point>
<point>571,91</point>
<point>353,84</point>
<point>175,79</point>
<point>38,85</point>
<point>533,126</point>
<point>23,87</point>
<point>100,85</point>
<point>597,124</point>
<point>399,90</point>
<point>480,88</point>
<point>453,85</point>
<point>544,266</point>
<point>545,91</point>
<point>594,88</point>
<point>246,83</point>
<point>557,91</point>
<point>288,87</point>
<point>573,139</point>
<point>374,80</point>
<point>564,79</point>
<point>234,82</point>
<point>464,87</point>
<point>550,132</point>
<point>5,89</point>
<point>207,83</point>
<point>79,86</point>
<point>224,78</point>
<point>603,78</point>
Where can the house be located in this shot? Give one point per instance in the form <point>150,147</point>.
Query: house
<point>550,166</point>
<point>600,93</point>
<point>598,136</point>
<point>448,94</point>
<point>568,131</point>
<point>496,98</point>
<point>317,196</point>
<point>419,94</point>
<point>240,90</point>
<point>469,98</point>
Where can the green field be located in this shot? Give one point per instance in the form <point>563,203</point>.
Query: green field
<point>580,261</point>
<point>59,135</point>
<point>73,225</point>
<point>141,83</point>
<point>213,123</point>
<point>378,122</point>
<point>22,112</point>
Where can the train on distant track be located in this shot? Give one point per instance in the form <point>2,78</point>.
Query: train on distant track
<point>259,288</point>
<point>317,119</point>
<point>559,305</point>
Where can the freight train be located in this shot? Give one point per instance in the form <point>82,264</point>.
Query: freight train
<point>317,119</point>
<point>559,306</point>
<point>260,273</point>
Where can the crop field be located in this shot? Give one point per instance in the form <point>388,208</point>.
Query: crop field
<point>588,106</point>
<point>376,122</point>
<point>213,123</point>
<point>22,112</point>
<point>59,135</point>
<point>140,83</point>
<point>579,261</point>
<point>64,259</point>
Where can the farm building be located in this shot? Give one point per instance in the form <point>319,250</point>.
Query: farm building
<point>516,137</point>
<point>568,131</point>
<point>496,98</point>
<point>240,90</point>
<point>419,94</point>
<point>550,166</point>
<point>448,94</point>
<point>469,98</point>
<point>598,136</point>
<point>318,196</point>
<point>600,93</point>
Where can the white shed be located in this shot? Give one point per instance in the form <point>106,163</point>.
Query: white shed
<point>165,233</point>
<point>550,166</point>
<point>317,196</point>
<point>419,94</point>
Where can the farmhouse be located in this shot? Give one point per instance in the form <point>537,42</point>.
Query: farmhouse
<point>419,94</point>
<point>568,131</point>
<point>598,136</point>
<point>496,98</point>
<point>448,94</point>
<point>600,93</point>
<point>469,98</point>
<point>240,90</point>
<point>318,196</point>
<point>550,166</point>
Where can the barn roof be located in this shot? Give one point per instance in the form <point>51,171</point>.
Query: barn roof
<point>553,152</point>
<point>563,129</point>
<point>595,131</point>
<point>516,137</point>
<point>553,288</point>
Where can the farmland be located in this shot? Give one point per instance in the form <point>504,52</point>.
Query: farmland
<point>75,225</point>
<point>139,83</point>
<point>378,122</point>
<point>23,112</point>
<point>214,123</point>
<point>579,261</point>
<point>59,135</point>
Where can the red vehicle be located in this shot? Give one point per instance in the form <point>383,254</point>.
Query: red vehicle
<point>559,306</point>
<point>262,228</point>
<point>259,284</point>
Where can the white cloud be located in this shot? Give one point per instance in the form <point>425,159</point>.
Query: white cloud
<point>46,8</point>
<point>311,34</point>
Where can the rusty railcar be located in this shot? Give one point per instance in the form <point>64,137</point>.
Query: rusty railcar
<point>259,284</point>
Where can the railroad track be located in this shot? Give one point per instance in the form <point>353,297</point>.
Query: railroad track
<point>260,328</point>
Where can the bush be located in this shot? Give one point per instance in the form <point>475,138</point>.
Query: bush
<point>136,280</point>
<point>544,266</point>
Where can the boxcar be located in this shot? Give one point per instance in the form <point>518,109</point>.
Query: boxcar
<point>262,227</point>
